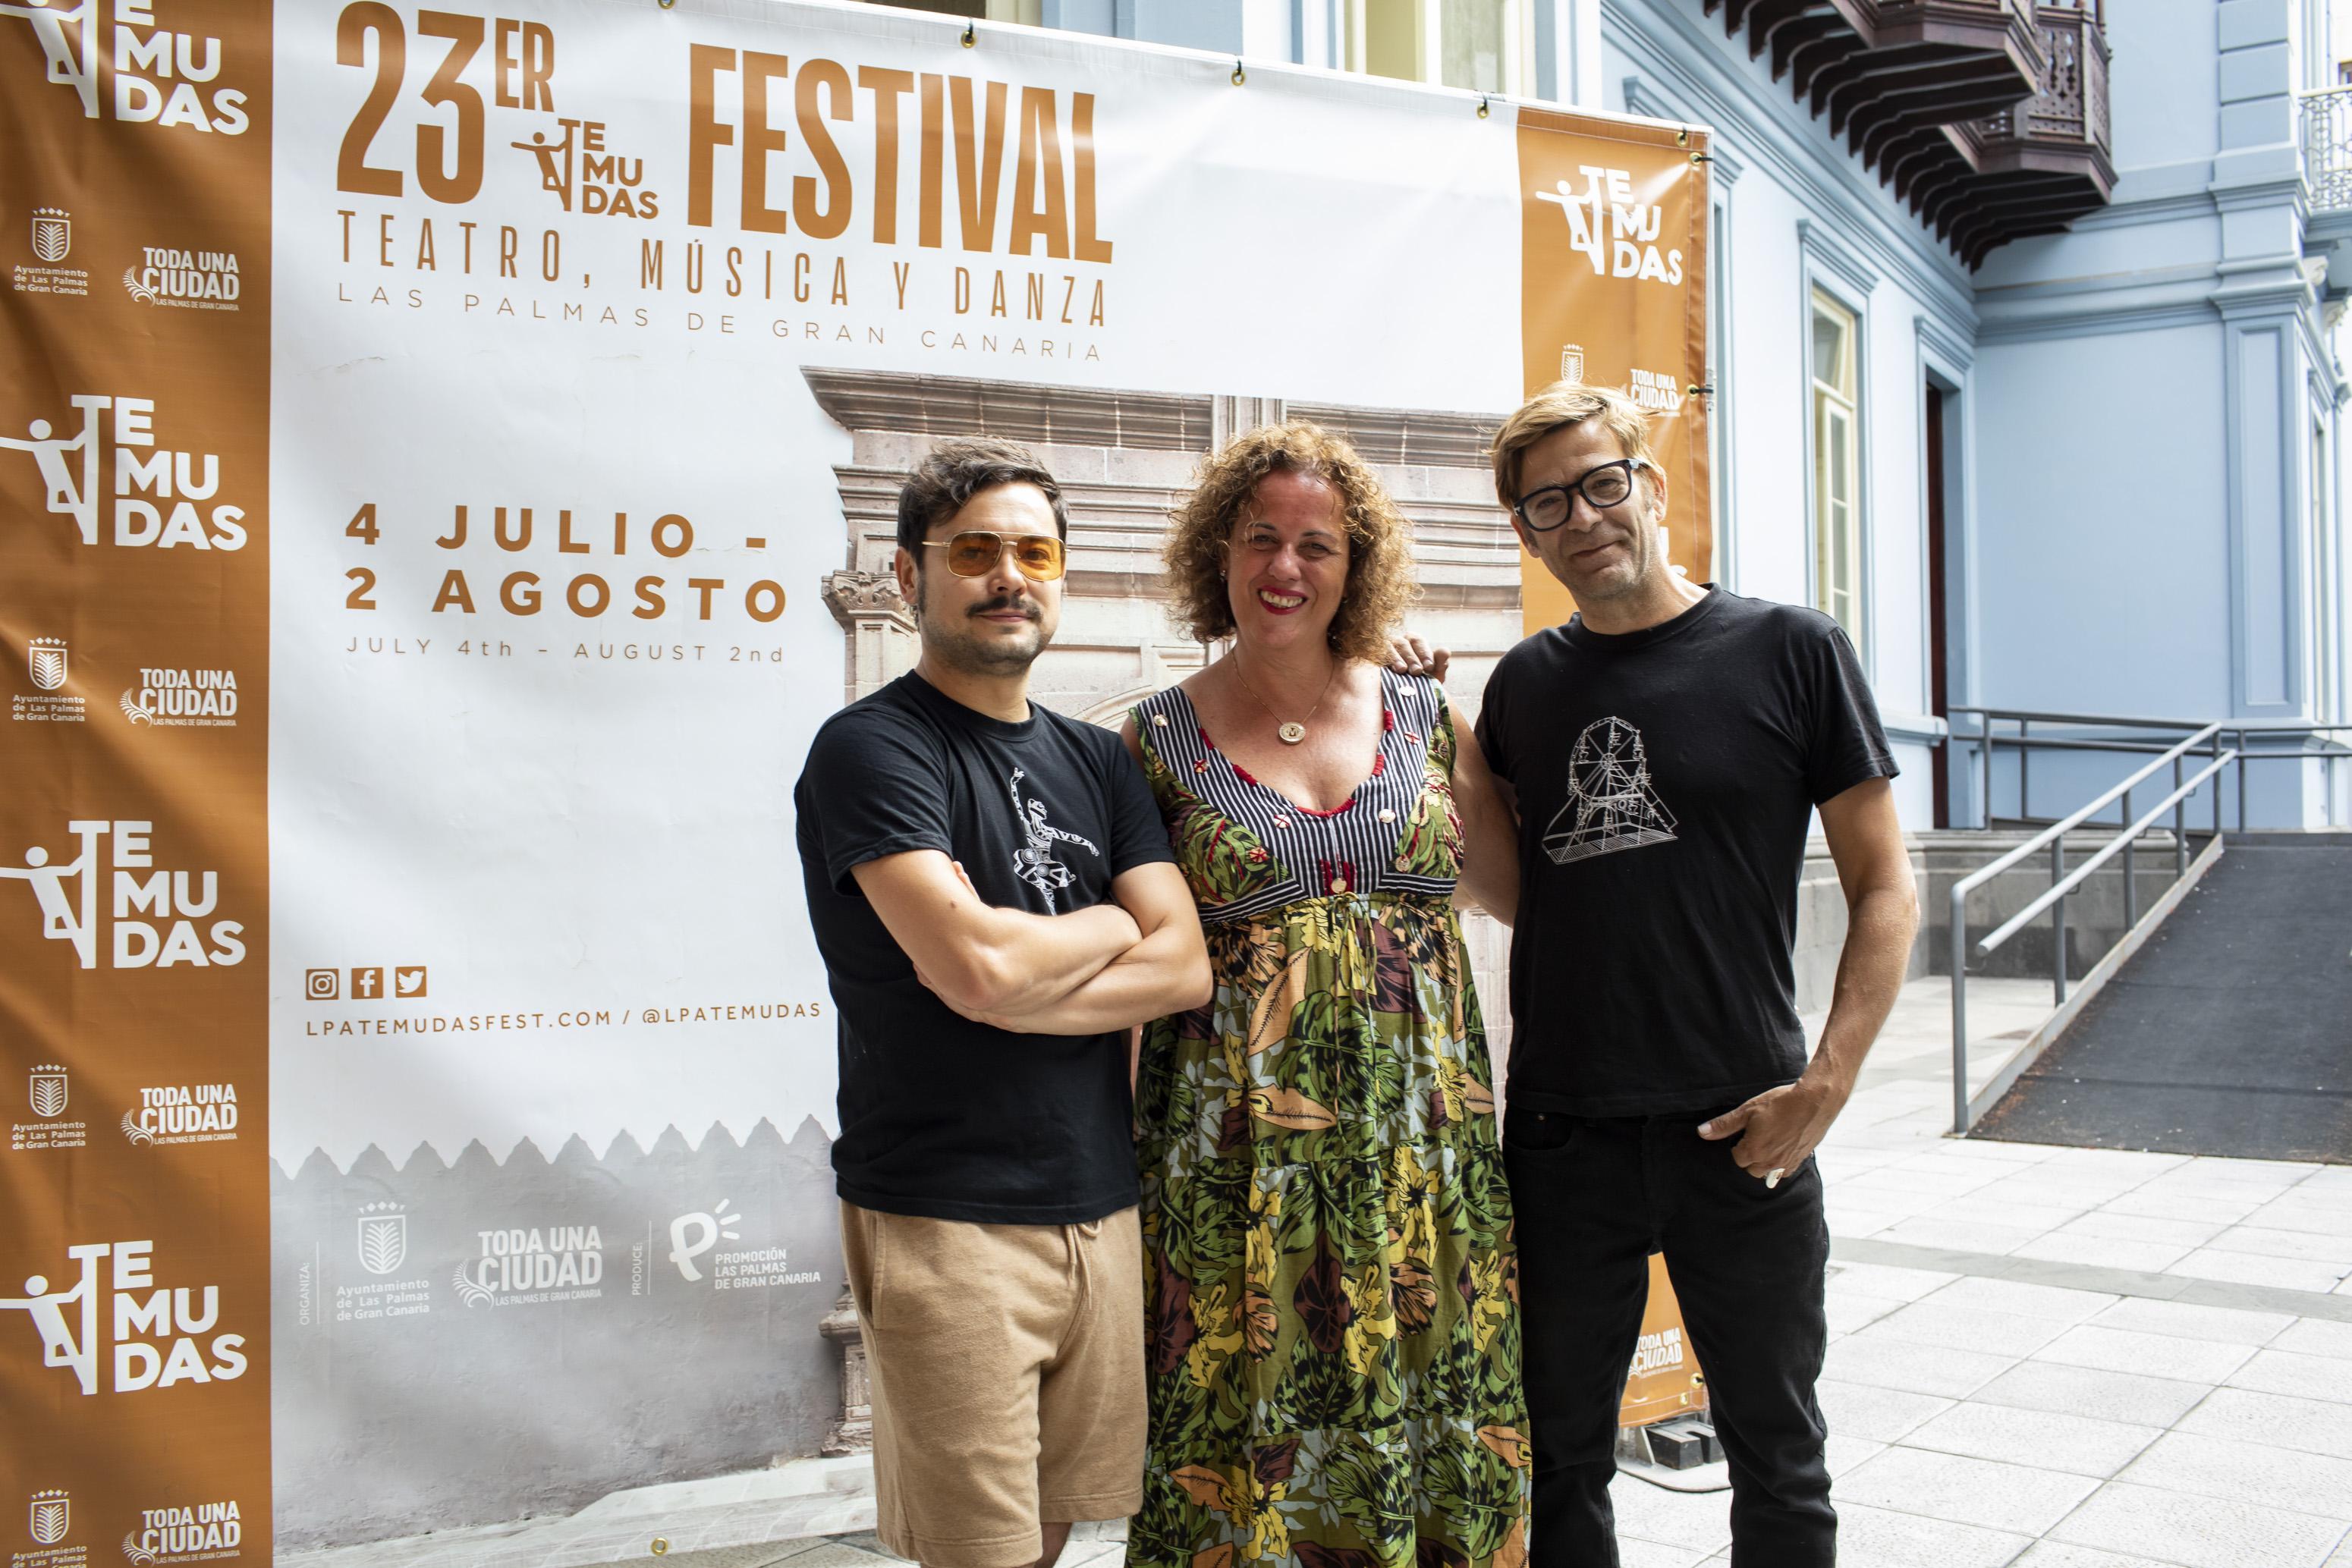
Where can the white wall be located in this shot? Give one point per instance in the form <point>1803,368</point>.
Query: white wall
<point>2162,91</point>
<point>2102,563</point>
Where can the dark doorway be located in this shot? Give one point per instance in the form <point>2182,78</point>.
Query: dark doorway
<point>1937,661</point>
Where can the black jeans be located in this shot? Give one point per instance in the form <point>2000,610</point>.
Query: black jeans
<point>1594,1196</point>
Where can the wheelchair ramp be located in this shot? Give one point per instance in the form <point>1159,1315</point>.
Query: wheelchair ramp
<point>2228,1032</point>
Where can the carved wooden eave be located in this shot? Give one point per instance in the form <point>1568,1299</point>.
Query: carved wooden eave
<point>1878,70</point>
<point>1989,117</point>
<point>2036,168</point>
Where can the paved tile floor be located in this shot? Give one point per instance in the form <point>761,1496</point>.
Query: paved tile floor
<point>2040,1356</point>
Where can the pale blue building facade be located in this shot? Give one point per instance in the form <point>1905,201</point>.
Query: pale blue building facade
<point>2023,317</point>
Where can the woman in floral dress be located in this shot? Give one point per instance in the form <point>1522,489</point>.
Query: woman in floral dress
<point>1330,1287</point>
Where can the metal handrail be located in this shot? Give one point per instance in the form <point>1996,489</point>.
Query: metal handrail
<point>2139,721</point>
<point>2113,847</point>
<point>1986,739</point>
<point>2198,737</point>
<point>2053,838</point>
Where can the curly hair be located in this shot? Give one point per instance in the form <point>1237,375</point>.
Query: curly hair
<point>1380,578</point>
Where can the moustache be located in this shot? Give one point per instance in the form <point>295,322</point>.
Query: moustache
<point>1002,602</point>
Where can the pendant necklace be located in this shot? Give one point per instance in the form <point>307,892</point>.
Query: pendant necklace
<point>1290,732</point>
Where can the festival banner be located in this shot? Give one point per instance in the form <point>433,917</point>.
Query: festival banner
<point>1614,257</point>
<point>134,895</point>
<point>447,471</point>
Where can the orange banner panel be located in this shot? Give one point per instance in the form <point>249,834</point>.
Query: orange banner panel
<point>1613,293</point>
<point>134,600</point>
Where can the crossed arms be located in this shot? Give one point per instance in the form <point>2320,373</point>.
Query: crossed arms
<point>1087,972</point>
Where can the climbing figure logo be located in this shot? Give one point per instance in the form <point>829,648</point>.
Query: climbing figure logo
<point>1033,863</point>
<point>64,917</point>
<point>1611,803</point>
<point>60,1345</point>
<point>72,57</point>
<point>68,493</point>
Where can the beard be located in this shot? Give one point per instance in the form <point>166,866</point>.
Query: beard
<point>953,639</point>
<point>1623,577</point>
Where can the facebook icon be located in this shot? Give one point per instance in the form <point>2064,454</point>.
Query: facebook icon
<point>367,983</point>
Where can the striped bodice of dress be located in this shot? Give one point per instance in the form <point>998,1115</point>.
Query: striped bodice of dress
<point>1396,834</point>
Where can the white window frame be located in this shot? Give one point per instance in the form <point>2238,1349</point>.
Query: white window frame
<point>1719,374</point>
<point>1835,395</point>
<point>1515,77</point>
<point>1833,266</point>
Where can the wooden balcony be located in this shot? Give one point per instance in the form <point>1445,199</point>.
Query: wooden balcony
<point>2036,168</point>
<point>1988,116</point>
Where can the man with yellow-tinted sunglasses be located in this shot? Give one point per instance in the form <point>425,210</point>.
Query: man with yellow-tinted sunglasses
<point>994,895</point>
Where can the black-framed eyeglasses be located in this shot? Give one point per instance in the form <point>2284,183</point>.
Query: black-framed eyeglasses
<point>1602,487</point>
<point>975,552</point>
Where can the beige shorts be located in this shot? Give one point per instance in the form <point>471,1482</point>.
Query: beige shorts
<point>1007,1367</point>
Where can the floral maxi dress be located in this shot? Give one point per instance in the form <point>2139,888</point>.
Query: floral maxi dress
<point>1330,1282</point>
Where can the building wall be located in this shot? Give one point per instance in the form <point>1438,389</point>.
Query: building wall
<point>2131,468</point>
<point>2167,362</point>
<point>2105,583</point>
<point>1802,213</point>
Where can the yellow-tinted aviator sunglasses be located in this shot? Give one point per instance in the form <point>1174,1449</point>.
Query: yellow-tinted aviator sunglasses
<point>974,553</point>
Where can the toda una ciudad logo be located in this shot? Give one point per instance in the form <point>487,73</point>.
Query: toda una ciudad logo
<point>181,1532</point>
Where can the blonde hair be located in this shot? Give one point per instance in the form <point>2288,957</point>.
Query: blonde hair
<point>1381,581</point>
<point>1556,407</point>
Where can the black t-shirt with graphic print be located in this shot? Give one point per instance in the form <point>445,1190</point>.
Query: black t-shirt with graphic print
<point>941,1116</point>
<point>1665,782</point>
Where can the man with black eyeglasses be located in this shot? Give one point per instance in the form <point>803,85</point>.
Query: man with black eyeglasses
<point>994,895</point>
<point>1666,751</point>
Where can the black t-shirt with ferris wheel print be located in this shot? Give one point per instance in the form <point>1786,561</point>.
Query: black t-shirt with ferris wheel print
<point>1665,782</point>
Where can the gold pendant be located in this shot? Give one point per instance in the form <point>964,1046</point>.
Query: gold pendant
<point>1292,733</point>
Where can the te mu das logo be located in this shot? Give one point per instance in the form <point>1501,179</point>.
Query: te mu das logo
<point>162,497</point>
<point>115,1329</point>
<point>152,918</point>
<point>1611,229</point>
<point>125,64</point>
